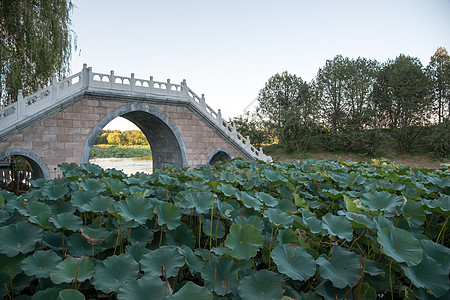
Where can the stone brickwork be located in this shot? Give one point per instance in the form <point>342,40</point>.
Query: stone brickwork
<point>61,137</point>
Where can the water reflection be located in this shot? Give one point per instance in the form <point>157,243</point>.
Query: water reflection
<point>127,165</point>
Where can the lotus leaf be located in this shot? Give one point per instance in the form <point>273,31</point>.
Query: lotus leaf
<point>81,198</point>
<point>218,230</point>
<point>286,205</point>
<point>359,220</point>
<point>273,176</point>
<point>244,240</point>
<point>70,294</point>
<point>78,246</point>
<point>249,201</point>
<point>161,260</point>
<point>62,207</point>
<point>135,209</point>
<point>10,266</point>
<point>116,186</point>
<point>99,204</point>
<point>192,260</point>
<point>438,252</point>
<point>350,205</point>
<point>49,293</point>
<point>428,274</point>
<point>383,201</point>
<point>168,214</point>
<point>142,288</point>
<point>343,268</point>
<point>4,215</point>
<point>92,169</point>
<point>442,204</point>
<point>226,209</point>
<point>114,271</point>
<point>254,220</point>
<point>401,245</point>
<point>72,270</point>
<point>141,235</point>
<point>365,291</point>
<point>227,189</point>
<point>182,235</point>
<point>93,185</point>
<point>221,251</point>
<point>53,240</point>
<point>200,201</point>
<point>41,263</point>
<point>287,236</point>
<point>278,217</point>
<point>221,276</point>
<point>310,220</point>
<point>66,221</point>
<point>338,225</point>
<point>56,189</point>
<point>228,177</point>
<point>19,238</point>
<point>191,291</point>
<point>261,285</point>
<point>267,199</point>
<point>136,251</point>
<point>294,261</point>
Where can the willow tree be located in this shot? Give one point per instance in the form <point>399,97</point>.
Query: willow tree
<point>35,42</point>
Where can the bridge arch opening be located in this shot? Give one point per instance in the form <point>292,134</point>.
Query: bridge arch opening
<point>220,154</point>
<point>165,140</point>
<point>18,166</point>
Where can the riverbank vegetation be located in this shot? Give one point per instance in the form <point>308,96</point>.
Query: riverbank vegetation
<point>357,105</point>
<point>112,151</point>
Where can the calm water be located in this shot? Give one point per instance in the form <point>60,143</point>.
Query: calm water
<point>127,165</point>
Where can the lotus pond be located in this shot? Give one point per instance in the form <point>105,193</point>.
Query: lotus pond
<point>329,229</point>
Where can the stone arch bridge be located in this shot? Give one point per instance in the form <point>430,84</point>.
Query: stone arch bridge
<point>60,123</point>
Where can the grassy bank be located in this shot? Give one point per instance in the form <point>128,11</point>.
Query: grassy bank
<point>108,151</point>
<point>417,160</point>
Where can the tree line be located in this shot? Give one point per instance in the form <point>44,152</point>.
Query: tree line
<point>121,138</point>
<point>356,105</point>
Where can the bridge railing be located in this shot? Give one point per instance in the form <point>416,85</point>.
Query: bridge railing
<point>58,92</point>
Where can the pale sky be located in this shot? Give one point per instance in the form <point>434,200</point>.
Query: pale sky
<point>228,50</point>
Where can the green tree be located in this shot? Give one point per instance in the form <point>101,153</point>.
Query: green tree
<point>402,96</point>
<point>251,126</point>
<point>286,107</point>
<point>439,72</point>
<point>117,138</point>
<point>343,88</point>
<point>35,41</point>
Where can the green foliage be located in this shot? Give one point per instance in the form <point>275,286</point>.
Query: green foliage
<point>121,138</point>
<point>35,42</point>
<point>239,229</point>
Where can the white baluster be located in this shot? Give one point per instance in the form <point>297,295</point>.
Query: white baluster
<point>150,84</point>
<point>203,102</point>
<point>20,105</point>
<point>112,79</point>
<point>54,88</point>
<point>132,82</point>
<point>168,86</point>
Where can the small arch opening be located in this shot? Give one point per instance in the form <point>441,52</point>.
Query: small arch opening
<point>18,167</point>
<point>219,155</point>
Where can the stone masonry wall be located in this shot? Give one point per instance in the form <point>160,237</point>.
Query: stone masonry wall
<point>61,137</point>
